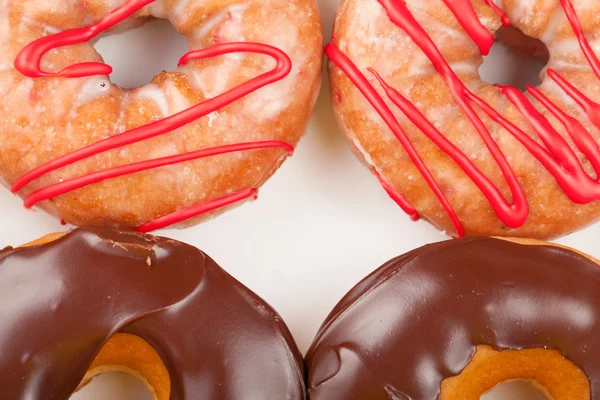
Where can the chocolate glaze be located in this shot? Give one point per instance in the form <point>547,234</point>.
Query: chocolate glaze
<point>60,302</point>
<point>419,318</point>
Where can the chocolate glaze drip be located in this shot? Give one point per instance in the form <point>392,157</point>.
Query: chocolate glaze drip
<point>60,302</point>
<point>419,318</point>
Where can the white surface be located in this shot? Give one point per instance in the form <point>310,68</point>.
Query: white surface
<point>320,225</point>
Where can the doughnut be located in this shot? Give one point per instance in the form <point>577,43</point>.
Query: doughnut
<point>454,319</point>
<point>189,145</point>
<point>99,300</point>
<point>472,158</point>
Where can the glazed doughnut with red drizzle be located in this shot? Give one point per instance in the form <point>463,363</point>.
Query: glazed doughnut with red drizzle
<point>74,177</point>
<point>498,161</point>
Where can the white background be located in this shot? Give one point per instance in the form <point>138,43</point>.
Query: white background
<point>320,225</point>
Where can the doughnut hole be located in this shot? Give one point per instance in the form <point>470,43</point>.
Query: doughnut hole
<point>515,60</point>
<point>546,370</point>
<point>140,54</point>
<point>516,390</point>
<point>113,386</point>
<point>132,355</point>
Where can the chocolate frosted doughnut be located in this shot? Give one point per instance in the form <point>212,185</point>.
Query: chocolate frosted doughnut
<point>97,300</point>
<point>454,319</point>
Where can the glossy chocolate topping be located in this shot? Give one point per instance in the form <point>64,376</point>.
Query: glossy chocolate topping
<point>60,302</point>
<point>419,318</point>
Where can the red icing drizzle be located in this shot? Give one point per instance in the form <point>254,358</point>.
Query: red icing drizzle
<point>468,19</point>
<point>557,156</point>
<point>466,16</point>
<point>28,63</point>
<point>198,209</point>
<point>397,197</point>
<point>583,43</point>
<point>361,82</point>
<point>29,59</point>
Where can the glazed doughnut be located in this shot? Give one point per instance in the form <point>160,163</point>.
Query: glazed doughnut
<point>470,157</point>
<point>100,300</point>
<point>454,319</point>
<point>183,148</point>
